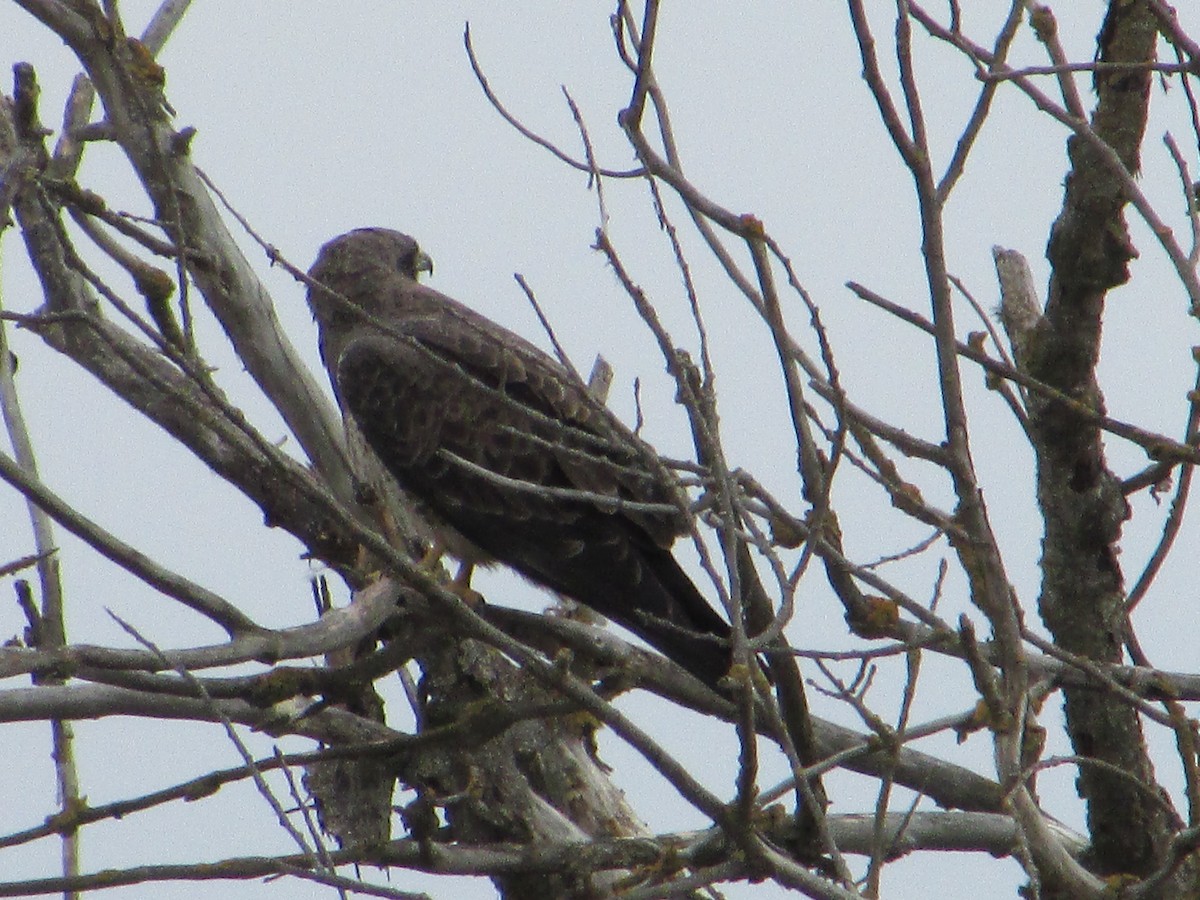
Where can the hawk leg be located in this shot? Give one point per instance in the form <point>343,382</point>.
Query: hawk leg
<point>460,584</point>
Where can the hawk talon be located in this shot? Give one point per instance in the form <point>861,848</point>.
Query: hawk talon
<point>461,585</point>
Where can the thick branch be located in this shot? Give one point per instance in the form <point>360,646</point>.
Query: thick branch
<point>1082,599</point>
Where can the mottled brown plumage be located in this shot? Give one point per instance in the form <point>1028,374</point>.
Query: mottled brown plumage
<point>507,450</point>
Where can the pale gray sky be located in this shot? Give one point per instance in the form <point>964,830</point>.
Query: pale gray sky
<point>313,121</point>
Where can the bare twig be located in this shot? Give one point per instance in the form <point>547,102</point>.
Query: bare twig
<point>526,132</point>
<point>187,592</point>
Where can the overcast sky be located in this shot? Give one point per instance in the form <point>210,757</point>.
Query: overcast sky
<point>313,122</point>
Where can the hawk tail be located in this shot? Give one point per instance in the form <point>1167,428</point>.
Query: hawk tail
<point>679,622</point>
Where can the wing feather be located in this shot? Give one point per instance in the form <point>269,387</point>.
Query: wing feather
<point>457,381</point>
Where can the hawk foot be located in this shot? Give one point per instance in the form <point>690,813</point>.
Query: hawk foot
<point>460,585</point>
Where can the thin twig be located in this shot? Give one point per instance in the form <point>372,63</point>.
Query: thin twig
<point>526,132</point>
<point>234,738</point>
<point>200,599</point>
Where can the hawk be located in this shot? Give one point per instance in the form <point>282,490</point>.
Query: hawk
<point>512,458</point>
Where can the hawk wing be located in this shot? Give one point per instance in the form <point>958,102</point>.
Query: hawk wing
<point>508,448</point>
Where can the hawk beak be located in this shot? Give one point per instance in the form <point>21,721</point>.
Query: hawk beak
<point>423,263</point>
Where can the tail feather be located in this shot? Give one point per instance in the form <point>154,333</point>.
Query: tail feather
<point>691,633</point>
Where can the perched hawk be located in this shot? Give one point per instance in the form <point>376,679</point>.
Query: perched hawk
<point>512,457</point>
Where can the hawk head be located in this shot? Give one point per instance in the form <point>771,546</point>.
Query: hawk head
<point>369,249</point>
<point>359,257</point>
